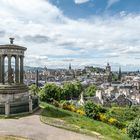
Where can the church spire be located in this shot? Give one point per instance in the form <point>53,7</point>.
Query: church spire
<point>70,66</point>
<point>120,74</point>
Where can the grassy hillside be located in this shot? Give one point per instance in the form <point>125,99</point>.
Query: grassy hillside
<point>75,122</point>
<point>124,114</point>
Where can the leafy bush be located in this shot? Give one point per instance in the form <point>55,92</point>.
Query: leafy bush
<point>102,117</point>
<point>71,90</point>
<point>90,91</point>
<point>70,107</point>
<point>123,114</point>
<point>55,103</point>
<point>119,124</point>
<point>91,110</point>
<point>133,129</point>
<point>124,130</point>
<point>102,109</point>
<point>112,121</point>
<point>50,92</point>
<point>97,112</point>
<point>135,108</point>
<point>81,112</point>
<point>34,89</point>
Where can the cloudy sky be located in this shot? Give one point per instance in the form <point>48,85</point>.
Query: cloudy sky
<point>80,32</point>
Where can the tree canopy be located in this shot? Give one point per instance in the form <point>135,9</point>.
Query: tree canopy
<point>50,92</point>
<point>90,91</point>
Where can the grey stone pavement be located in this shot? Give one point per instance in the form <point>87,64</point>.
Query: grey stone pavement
<point>32,128</point>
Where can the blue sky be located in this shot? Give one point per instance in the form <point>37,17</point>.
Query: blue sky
<point>81,32</point>
<point>96,7</point>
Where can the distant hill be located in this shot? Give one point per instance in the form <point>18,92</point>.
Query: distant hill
<point>29,68</point>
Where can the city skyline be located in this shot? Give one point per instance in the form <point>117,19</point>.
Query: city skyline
<point>81,32</point>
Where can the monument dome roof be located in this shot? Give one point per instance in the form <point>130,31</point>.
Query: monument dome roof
<point>12,46</point>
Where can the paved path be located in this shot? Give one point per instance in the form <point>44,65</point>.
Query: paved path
<point>34,129</point>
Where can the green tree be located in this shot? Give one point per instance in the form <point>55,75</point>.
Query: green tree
<point>50,92</point>
<point>133,129</point>
<point>78,89</point>
<point>34,89</point>
<point>92,110</point>
<point>71,90</point>
<point>114,77</point>
<point>90,91</point>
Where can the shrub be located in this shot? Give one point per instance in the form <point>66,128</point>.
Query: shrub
<point>123,114</point>
<point>112,121</point>
<point>71,90</point>
<point>135,108</point>
<point>102,109</point>
<point>65,106</point>
<point>69,107</point>
<point>90,91</point>
<point>116,123</point>
<point>34,89</point>
<point>91,110</point>
<point>133,129</point>
<point>119,125</point>
<point>56,103</point>
<point>102,118</point>
<point>50,92</point>
<point>81,112</point>
<point>124,130</point>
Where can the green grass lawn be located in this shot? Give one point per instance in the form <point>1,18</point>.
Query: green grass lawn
<point>75,122</point>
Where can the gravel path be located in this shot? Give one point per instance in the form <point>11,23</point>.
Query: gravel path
<point>31,127</point>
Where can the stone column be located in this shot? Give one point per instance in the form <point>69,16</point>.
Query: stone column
<point>2,69</point>
<point>17,69</point>
<point>30,104</point>
<point>21,69</point>
<point>7,108</point>
<point>9,70</point>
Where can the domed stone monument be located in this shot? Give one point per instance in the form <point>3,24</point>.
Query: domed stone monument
<point>14,95</point>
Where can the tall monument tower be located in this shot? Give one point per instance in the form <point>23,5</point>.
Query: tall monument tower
<point>109,73</point>
<point>70,66</point>
<point>119,74</point>
<point>12,87</point>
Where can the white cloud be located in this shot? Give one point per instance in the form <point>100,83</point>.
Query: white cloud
<point>80,1</point>
<point>51,38</point>
<point>111,2</point>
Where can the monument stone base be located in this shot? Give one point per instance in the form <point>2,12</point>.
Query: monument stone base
<point>15,99</point>
<point>13,93</point>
